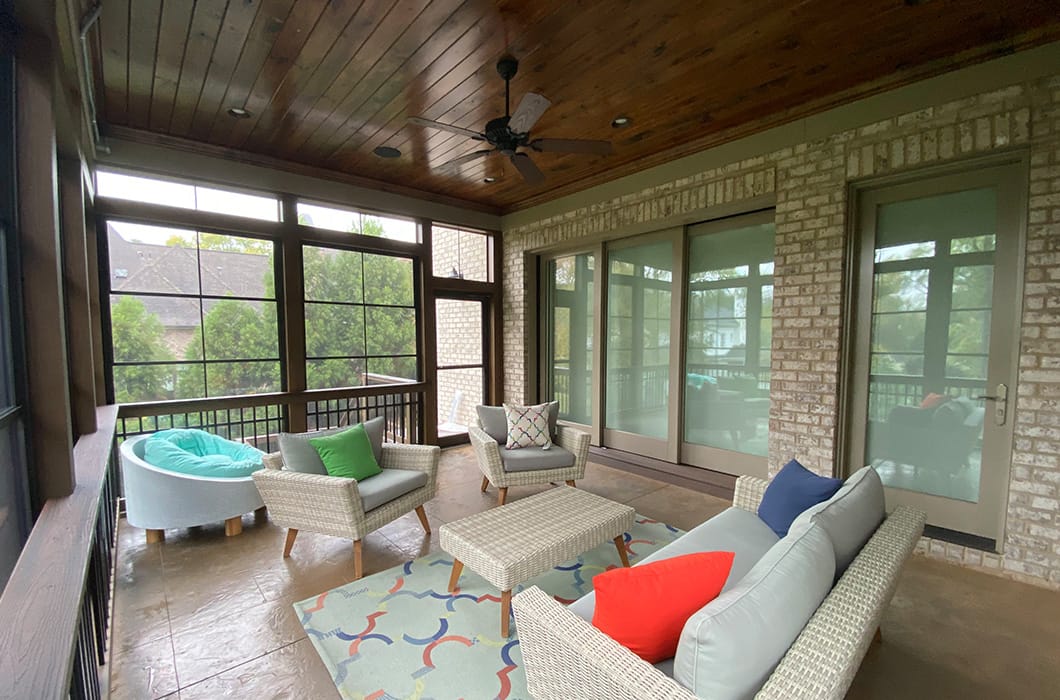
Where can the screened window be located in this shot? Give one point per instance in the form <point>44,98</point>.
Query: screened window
<point>360,318</point>
<point>461,254</point>
<point>186,196</point>
<point>352,221</point>
<point>192,314</point>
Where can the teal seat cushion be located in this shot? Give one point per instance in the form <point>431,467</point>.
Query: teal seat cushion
<point>199,453</point>
<point>388,485</point>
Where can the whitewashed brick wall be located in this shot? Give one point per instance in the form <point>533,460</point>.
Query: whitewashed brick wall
<point>810,181</point>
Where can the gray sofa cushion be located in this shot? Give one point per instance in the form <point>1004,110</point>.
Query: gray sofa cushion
<point>388,485</point>
<point>300,456</point>
<point>850,516</point>
<point>527,459</point>
<point>728,649</point>
<point>494,424</point>
<point>732,530</point>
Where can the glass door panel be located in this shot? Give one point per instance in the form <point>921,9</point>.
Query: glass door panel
<point>727,354</point>
<point>461,363</point>
<point>937,257</point>
<point>640,284</point>
<point>570,365</point>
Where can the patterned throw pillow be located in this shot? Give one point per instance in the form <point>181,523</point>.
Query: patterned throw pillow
<point>527,426</point>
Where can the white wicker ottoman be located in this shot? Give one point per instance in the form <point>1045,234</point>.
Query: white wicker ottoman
<point>512,543</point>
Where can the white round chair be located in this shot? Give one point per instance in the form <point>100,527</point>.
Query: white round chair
<point>156,499</point>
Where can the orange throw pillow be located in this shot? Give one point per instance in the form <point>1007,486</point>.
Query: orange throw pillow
<point>933,400</point>
<point>644,608</point>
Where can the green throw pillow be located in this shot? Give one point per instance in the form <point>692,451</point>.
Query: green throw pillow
<point>348,454</point>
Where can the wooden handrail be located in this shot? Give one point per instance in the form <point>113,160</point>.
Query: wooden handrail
<point>161,408</point>
<point>41,604</point>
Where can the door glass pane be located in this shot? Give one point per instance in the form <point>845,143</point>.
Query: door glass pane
<point>931,303</point>
<point>571,363</point>
<point>730,309</point>
<point>461,370</point>
<point>638,339</point>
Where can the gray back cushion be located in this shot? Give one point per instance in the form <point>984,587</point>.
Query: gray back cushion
<point>728,649</point>
<point>300,456</point>
<point>494,424</point>
<point>733,530</point>
<point>850,516</point>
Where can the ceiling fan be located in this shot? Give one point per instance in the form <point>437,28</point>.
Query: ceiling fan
<point>507,134</point>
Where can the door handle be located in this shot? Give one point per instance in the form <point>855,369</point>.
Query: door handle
<point>1000,399</point>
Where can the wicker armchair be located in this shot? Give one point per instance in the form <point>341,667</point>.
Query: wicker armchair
<point>332,505</point>
<point>488,455</point>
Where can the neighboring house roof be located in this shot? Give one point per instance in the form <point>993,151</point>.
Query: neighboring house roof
<point>147,267</point>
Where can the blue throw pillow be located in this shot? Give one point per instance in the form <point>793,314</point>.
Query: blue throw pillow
<point>794,489</point>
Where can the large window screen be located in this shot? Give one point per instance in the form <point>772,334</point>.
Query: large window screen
<point>730,308</point>
<point>360,318</point>
<point>192,314</point>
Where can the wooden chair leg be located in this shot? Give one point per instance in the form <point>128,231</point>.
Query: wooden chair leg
<point>358,567</point>
<point>506,613</point>
<point>156,536</point>
<point>570,482</point>
<point>502,495</point>
<point>485,483</point>
<point>291,534</point>
<point>234,526</point>
<point>620,544</point>
<point>423,519</point>
<point>458,566</point>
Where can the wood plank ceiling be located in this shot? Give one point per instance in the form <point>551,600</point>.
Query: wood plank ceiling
<point>327,81</point>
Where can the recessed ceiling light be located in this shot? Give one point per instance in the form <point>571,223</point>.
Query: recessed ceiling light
<point>489,179</point>
<point>238,113</point>
<point>619,122</point>
<point>386,152</point>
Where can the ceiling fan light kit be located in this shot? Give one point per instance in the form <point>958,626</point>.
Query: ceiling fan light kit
<point>507,134</point>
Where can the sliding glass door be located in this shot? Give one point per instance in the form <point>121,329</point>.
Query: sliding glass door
<point>727,343</point>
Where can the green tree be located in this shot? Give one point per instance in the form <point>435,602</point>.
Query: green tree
<point>138,336</point>
<point>221,242</point>
<point>235,330</point>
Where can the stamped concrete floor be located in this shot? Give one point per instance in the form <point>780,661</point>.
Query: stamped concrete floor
<point>207,616</point>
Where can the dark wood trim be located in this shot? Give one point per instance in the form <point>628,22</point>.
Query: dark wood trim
<point>50,440</point>
<point>78,281</point>
<point>696,478</point>
<point>495,379</point>
<point>238,156</point>
<point>292,309</point>
<point>42,601</point>
<point>429,332</point>
<point>96,317</point>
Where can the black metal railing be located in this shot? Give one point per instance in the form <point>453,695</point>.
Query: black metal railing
<point>56,606</point>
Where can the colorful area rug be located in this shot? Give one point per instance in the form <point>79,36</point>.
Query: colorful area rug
<point>399,634</point>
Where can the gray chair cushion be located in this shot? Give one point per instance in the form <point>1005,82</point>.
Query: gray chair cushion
<point>850,516</point>
<point>388,485</point>
<point>493,422</point>
<point>732,530</point>
<point>300,456</point>
<point>728,648</point>
<point>526,459</point>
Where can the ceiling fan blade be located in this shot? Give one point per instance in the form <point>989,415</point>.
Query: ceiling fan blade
<point>528,112</point>
<point>530,172</point>
<point>602,148</point>
<point>420,121</point>
<point>465,159</point>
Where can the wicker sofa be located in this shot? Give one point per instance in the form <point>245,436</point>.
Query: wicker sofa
<point>566,657</point>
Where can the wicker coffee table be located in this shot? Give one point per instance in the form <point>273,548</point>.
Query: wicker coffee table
<point>509,544</point>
